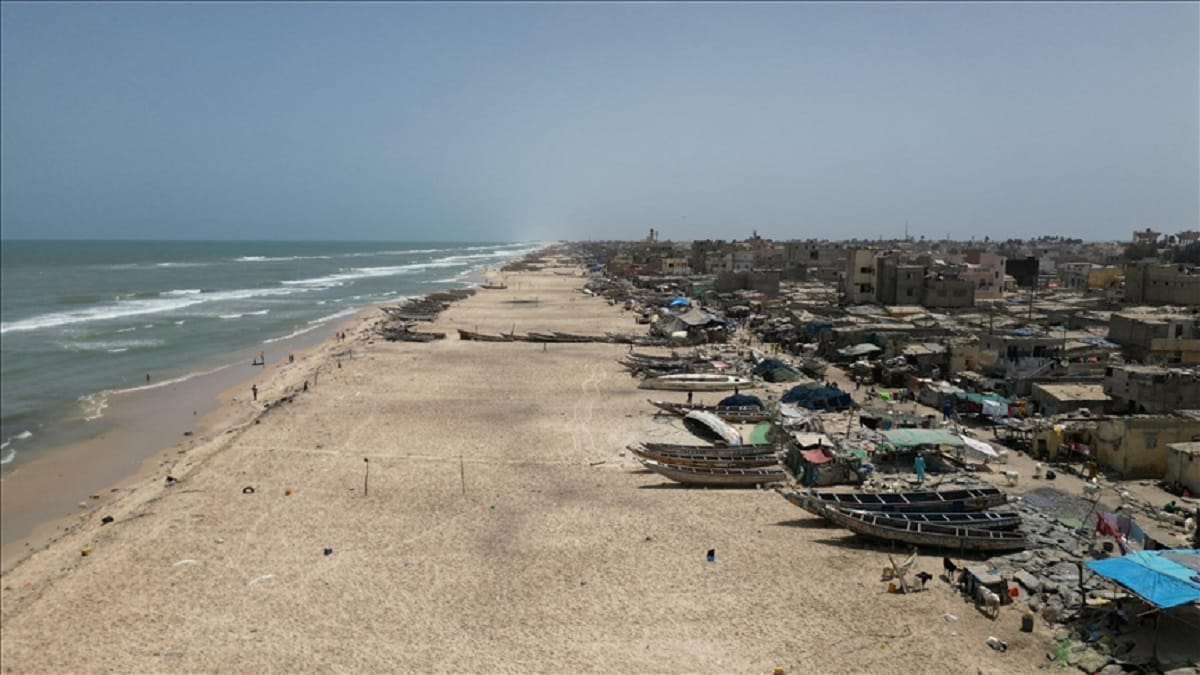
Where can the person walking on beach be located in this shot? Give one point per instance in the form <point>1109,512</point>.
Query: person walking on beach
<point>689,398</point>
<point>147,378</point>
<point>919,467</point>
<point>254,391</point>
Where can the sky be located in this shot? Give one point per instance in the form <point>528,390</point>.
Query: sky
<point>538,121</point>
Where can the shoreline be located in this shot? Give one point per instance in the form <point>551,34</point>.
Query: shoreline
<point>67,483</point>
<point>504,516</point>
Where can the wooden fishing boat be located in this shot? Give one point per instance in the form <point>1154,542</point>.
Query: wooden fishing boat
<point>717,477</point>
<point>982,520</point>
<point>710,461</point>
<point>710,450</point>
<point>943,501</point>
<point>711,428</point>
<point>697,382</point>
<point>413,336</point>
<point>482,337</point>
<point>741,414</point>
<point>924,534</point>
<point>494,287</point>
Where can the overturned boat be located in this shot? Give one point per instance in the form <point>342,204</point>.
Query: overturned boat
<point>697,382</point>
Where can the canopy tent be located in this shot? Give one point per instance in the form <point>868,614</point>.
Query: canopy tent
<point>738,400</point>
<point>1165,579</point>
<point>817,455</point>
<point>680,301</point>
<point>818,398</point>
<point>911,438</point>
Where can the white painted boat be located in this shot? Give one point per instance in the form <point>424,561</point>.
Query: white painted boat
<point>697,382</point>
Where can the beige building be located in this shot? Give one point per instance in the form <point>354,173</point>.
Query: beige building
<point>858,286</point>
<point>1083,276</point>
<point>1183,466</point>
<point>1134,446</point>
<point>1062,398</point>
<point>1156,337</point>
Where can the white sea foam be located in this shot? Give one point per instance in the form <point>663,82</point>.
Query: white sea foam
<point>94,404</point>
<point>113,346</point>
<point>285,258</point>
<point>127,330</point>
<point>135,307</point>
<point>24,435</point>
<point>8,457</point>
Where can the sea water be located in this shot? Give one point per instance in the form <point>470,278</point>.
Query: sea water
<point>82,319</point>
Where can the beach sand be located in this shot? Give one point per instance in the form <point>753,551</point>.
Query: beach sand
<point>505,529</point>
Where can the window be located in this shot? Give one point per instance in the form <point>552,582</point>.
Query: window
<point>812,255</point>
<point>1151,441</point>
<point>864,270</point>
<point>909,292</point>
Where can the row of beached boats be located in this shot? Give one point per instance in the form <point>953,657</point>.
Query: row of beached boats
<point>558,336</point>
<point>935,518</point>
<point>957,518</point>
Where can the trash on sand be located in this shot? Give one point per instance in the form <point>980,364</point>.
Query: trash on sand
<point>997,644</point>
<point>106,520</point>
<point>712,555</point>
<point>287,492</point>
<point>185,561</point>
<point>264,577</point>
<point>949,618</point>
<point>85,551</point>
<point>328,551</point>
<point>248,490</point>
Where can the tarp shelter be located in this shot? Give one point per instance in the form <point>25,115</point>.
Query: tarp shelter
<point>911,438</point>
<point>982,448</point>
<point>817,455</point>
<point>858,350</point>
<point>818,398</point>
<point>738,400</point>
<point>1165,579</point>
<point>680,301</point>
<point>774,370</point>
<point>760,434</point>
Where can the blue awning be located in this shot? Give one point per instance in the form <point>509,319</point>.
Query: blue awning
<point>1166,578</point>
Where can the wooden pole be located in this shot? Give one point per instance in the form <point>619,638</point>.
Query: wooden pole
<point>462,474</point>
<point>366,475</point>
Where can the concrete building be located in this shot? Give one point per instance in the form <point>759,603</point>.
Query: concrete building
<point>1158,284</point>
<point>899,283</point>
<point>676,266</point>
<point>986,271</point>
<point>1061,398</point>
<point>1183,466</point>
<point>1084,276</point>
<point>1023,270</point>
<point>948,292</point>
<point>1157,338</point>
<point>1151,389</point>
<point>1134,446</point>
<point>858,285</point>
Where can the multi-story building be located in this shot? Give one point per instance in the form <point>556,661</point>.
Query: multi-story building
<point>1084,276</point>
<point>899,283</point>
<point>986,271</point>
<point>1151,389</point>
<point>1158,338</point>
<point>947,292</point>
<point>858,285</point>
<point>1158,284</point>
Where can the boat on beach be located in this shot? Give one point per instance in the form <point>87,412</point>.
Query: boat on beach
<point>940,501</point>
<point>718,477</point>
<point>742,414</point>
<point>983,520</point>
<point>710,461</point>
<point>710,427</point>
<point>697,382</point>
<point>879,526</point>
<point>464,334</point>
<point>747,450</point>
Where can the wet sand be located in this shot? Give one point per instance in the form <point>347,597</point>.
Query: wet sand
<point>504,529</point>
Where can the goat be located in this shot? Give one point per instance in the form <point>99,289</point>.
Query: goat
<point>1012,476</point>
<point>949,566</point>
<point>924,578</point>
<point>990,600</point>
<point>1091,488</point>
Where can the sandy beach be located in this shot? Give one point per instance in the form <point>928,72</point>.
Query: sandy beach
<point>503,528</point>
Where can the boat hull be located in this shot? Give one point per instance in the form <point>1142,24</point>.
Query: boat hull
<point>716,477</point>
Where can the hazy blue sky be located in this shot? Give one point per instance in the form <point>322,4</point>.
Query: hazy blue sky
<point>523,121</point>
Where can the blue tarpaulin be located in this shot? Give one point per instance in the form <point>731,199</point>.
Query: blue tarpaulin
<point>1166,578</point>
<point>680,302</point>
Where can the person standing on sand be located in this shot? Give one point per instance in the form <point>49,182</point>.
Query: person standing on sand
<point>919,467</point>
<point>254,391</point>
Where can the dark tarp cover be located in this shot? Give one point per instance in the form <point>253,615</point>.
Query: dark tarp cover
<point>818,398</point>
<point>741,400</point>
<point>774,370</point>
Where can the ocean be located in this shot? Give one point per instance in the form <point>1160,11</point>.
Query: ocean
<point>82,319</point>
